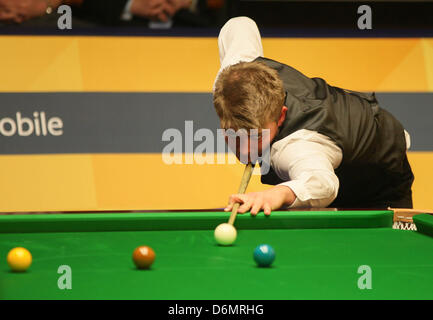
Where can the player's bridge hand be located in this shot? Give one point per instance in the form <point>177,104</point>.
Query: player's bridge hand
<point>265,201</point>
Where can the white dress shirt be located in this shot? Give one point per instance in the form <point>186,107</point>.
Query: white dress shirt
<point>305,159</point>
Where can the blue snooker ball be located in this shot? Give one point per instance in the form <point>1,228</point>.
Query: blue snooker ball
<point>264,255</point>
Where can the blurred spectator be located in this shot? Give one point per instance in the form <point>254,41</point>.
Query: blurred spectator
<point>200,13</point>
<point>115,11</point>
<point>195,13</point>
<point>18,11</point>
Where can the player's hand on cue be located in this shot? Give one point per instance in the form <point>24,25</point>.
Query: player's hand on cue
<point>265,201</point>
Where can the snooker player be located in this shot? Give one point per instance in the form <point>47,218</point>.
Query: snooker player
<point>329,147</point>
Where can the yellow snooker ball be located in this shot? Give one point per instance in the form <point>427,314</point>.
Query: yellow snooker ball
<point>19,259</point>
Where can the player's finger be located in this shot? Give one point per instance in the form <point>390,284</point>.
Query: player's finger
<point>257,205</point>
<point>267,209</point>
<point>234,198</point>
<point>246,206</point>
<point>238,198</point>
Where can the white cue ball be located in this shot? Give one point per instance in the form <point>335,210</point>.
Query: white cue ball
<point>225,234</point>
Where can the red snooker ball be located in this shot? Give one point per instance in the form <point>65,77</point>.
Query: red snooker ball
<point>143,257</point>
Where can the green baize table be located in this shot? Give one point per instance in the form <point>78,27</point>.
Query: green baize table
<point>319,255</point>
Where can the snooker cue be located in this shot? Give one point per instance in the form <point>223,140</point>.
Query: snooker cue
<point>243,186</point>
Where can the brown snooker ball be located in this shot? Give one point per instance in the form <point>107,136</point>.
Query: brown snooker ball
<point>143,257</point>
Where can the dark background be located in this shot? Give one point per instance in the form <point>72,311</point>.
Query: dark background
<point>306,18</point>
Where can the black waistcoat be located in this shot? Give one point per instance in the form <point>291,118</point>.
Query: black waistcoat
<point>374,171</point>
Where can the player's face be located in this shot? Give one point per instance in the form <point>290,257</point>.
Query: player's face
<point>249,146</point>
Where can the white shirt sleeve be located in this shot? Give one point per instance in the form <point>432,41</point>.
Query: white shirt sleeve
<point>306,160</point>
<point>239,40</point>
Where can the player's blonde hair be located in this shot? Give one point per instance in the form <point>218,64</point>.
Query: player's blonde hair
<point>247,95</point>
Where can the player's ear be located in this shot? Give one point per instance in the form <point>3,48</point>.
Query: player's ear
<point>282,116</point>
